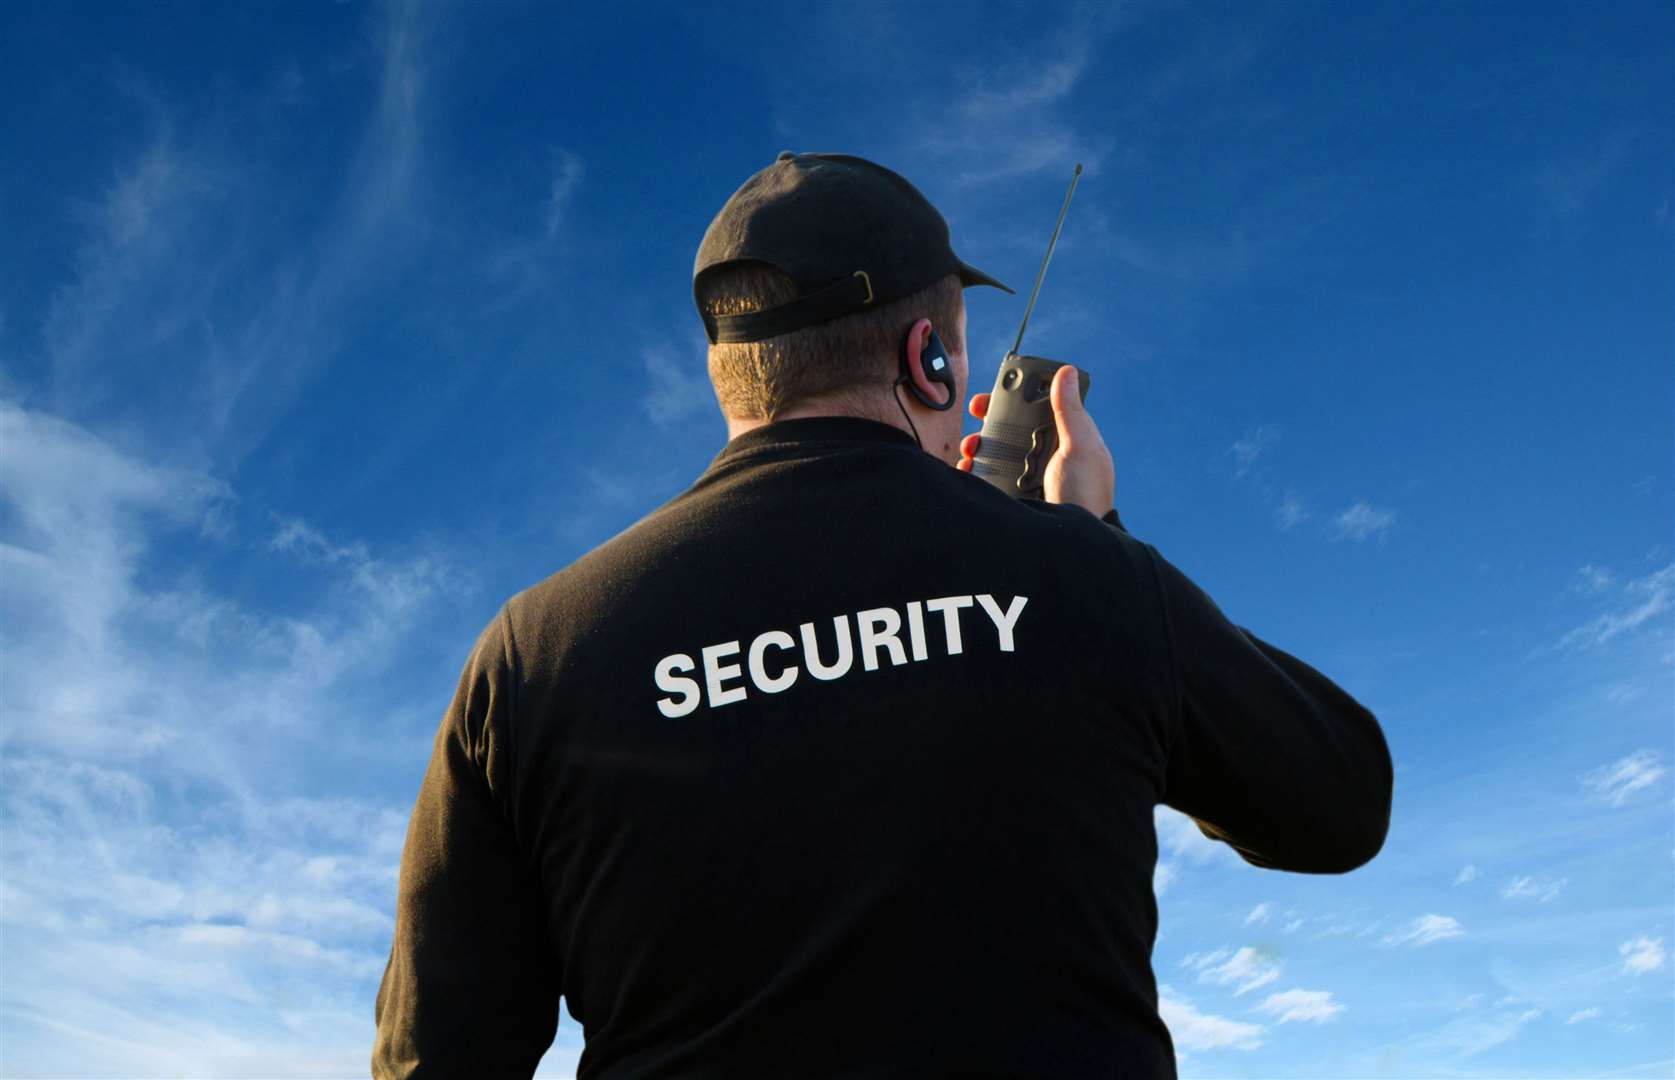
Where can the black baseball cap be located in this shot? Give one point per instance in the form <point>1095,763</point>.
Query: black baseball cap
<point>849,233</point>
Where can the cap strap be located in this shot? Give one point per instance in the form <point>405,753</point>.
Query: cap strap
<point>850,294</point>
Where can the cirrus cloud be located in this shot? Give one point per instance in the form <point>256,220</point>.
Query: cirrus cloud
<point>1362,521</point>
<point>1641,956</point>
<point>1245,970</point>
<point>1528,887</point>
<point>1194,1030</point>
<point>1289,1006</point>
<point>1426,930</point>
<point>1616,781</point>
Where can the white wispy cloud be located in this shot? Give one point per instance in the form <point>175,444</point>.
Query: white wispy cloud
<point>1008,113</point>
<point>1294,925</point>
<point>1571,183</point>
<point>1528,887</point>
<point>526,265</point>
<point>1647,598</point>
<point>1580,1015</point>
<point>385,172</point>
<point>1592,580</point>
<point>1042,84</point>
<point>1020,108</point>
<point>1180,836</point>
<point>567,177</point>
<point>1473,1034</point>
<point>1426,930</point>
<point>85,629</point>
<point>193,316</point>
<point>156,856</point>
<point>83,509</point>
<point>1290,1006</point>
<point>1180,843</point>
<point>1190,1029</point>
<point>679,386</point>
<point>1246,970</point>
<point>1248,449</point>
<point>1467,873</point>
<point>1198,959</point>
<point>1642,955</point>
<point>1258,914</point>
<point>152,214</point>
<point>1362,521</point>
<point>1347,924</point>
<point>129,905</point>
<point>1618,780</point>
<point>1291,512</point>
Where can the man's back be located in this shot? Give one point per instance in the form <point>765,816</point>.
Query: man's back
<point>844,763</point>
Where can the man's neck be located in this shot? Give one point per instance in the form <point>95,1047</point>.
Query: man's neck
<point>737,426</point>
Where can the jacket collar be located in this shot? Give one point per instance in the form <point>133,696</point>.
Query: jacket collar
<point>831,431</point>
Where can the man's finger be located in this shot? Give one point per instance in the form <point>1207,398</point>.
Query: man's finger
<point>979,406</point>
<point>968,445</point>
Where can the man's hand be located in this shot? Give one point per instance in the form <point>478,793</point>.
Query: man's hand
<point>1081,470</point>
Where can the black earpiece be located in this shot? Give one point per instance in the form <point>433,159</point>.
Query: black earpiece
<point>938,369</point>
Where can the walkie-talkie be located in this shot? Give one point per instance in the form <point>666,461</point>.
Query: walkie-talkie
<point>1019,434</point>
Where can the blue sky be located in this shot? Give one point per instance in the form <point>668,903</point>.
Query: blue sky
<point>323,329</point>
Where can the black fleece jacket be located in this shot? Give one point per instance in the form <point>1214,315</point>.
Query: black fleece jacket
<point>843,764</point>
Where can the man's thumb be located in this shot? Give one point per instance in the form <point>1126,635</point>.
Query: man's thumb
<point>1068,411</point>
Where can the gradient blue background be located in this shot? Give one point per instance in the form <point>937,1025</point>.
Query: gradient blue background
<point>323,329</point>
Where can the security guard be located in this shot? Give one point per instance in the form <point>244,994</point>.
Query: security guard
<point>843,762</point>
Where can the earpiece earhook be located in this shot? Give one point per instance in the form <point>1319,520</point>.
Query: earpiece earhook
<point>938,369</point>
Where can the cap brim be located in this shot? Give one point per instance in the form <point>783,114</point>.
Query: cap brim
<point>970,275</point>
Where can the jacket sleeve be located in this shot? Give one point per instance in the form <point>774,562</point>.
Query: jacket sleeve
<point>1269,755</point>
<point>472,985</point>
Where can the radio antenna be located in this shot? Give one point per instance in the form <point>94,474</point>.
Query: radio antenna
<point>1050,245</point>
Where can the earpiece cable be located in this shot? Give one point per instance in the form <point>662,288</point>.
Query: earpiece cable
<point>894,387</point>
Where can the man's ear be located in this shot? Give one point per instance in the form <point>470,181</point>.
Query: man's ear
<point>933,388</point>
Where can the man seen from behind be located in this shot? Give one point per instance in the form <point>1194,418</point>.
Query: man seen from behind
<point>843,762</point>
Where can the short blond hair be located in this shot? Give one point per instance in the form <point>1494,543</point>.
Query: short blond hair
<point>758,380</point>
